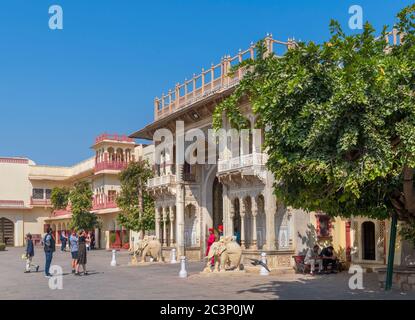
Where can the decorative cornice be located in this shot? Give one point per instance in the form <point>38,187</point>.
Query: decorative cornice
<point>14,160</point>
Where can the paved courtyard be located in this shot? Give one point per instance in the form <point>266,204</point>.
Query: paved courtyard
<point>161,282</point>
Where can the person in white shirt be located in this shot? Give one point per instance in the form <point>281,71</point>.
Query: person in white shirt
<point>312,257</point>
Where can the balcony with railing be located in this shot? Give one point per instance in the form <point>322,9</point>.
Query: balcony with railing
<point>161,181</point>
<point>213,80</point>
<point>245,161</point>
<point>101,202</point>
<point>40,202</point>
<point>110,165</point>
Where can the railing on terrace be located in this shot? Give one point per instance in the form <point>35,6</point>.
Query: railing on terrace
<point>210,81</point>
<point>104,202</point>
<point>113,137</point>
<point>216,78</point>
<point>62,212</point>
<point>110,165</point>
<point>161,181</point>
<point>249,160</point>
<point>40,202</point>
<point>11,203</point>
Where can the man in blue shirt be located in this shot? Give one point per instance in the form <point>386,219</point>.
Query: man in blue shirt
<point>30,253</point>
<point>73,241</point>
<point>49,247</point>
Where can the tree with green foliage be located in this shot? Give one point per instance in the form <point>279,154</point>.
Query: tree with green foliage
<point>80,199</point>
<point>339,121</point>
<point>60,198</point>
<point>135,203</point>
<point>81,205</point>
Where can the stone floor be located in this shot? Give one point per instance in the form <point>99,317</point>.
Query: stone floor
<point>161,282</point>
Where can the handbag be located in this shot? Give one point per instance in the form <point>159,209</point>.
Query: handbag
<point>24,256</point>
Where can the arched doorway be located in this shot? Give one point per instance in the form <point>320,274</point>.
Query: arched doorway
<point>217,205</point>
<point>190,226</point>
<point>7,232</point>
<point>369,241</point>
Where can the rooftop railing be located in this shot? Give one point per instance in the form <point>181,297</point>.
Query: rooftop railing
<point>113,137</point>
<point>12,203</point>
<point>217,77</point>
<point>394,37</point>
<point>213,80</point>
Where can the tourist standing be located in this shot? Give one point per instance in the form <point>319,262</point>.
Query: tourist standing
<point>237,236</point>
<point>92,241</point>
<point>64,240</point>
<point>49,248</point>
<point>82,253</point>
<point>30,253</point>
<point>73,243</point>
<point>210,241</point>
<point>88,241</point>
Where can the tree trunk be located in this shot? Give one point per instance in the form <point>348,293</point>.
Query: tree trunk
<point>408,189</point>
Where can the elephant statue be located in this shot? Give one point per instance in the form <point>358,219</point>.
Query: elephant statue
<point>149,247</point>
<point>227,253</point>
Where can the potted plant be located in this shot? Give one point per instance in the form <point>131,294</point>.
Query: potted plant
<point>2,246</point>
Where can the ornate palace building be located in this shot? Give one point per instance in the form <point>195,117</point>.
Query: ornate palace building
<point>25,191</point>
<point>235,191</point>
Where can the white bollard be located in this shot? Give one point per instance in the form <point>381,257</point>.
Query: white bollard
<point>264,272</point>
<point>183,271</point>
<point>114,261</point>
<point>173,259</point>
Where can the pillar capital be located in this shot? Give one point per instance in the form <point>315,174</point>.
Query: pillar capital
<point>243,208</point>
<point>157,214</point>
<point>254,205</point>
<point>171,213</point>
<point>165,213</point>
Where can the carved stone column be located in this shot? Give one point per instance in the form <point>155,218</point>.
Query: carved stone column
<point>270,211</point>
<point>254,218</point>
<point>158,224</point>
<point>180,196</point>
<point>231,217</point>
<point>172,221</point>
<point>164,226</point>
<point>243,214</point>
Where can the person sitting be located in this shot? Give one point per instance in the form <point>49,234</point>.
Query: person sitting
<point>220,229</point>
<point>329,258</point>
<point>312,258</point>
<point>237,236</point>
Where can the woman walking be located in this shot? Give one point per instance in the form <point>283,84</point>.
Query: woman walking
<point>82,253</point>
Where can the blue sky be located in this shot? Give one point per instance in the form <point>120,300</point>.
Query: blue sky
<point>59,89</point>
